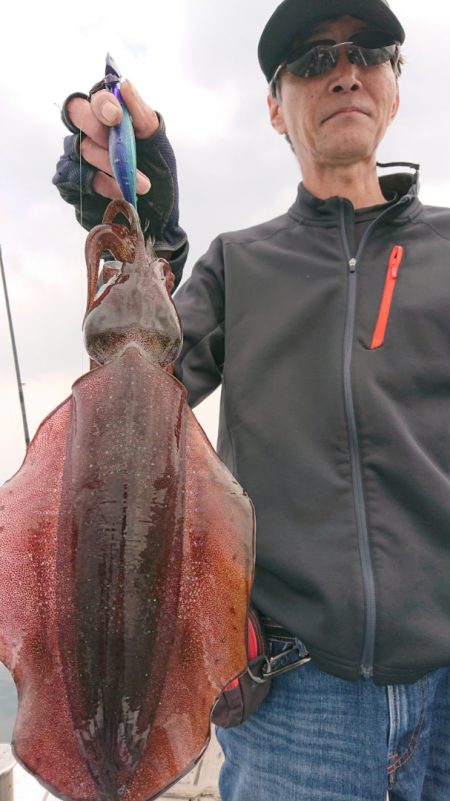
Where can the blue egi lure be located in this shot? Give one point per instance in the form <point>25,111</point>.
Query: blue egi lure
<point>122,144</point>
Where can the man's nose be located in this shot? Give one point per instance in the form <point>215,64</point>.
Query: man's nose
<point>345,75</point>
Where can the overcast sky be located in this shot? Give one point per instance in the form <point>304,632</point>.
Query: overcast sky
<point>195,61</point>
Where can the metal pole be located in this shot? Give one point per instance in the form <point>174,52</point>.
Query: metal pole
<point>16,360</point>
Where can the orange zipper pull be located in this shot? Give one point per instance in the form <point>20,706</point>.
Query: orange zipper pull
<point>395,260</point>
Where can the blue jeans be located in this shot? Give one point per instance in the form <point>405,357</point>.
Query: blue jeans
<point>320,738</point>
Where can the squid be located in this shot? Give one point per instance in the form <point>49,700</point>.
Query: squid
<point>127,554</point>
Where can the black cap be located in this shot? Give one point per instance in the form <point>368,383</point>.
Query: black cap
<point>293,16</point>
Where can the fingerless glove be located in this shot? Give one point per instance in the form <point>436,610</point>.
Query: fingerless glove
<point>158,209</point>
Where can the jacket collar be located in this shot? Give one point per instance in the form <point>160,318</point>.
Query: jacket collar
<point>403,186</point>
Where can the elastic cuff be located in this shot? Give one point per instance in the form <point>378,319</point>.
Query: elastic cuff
<point>65,115</point>
<point>172,249</point>
<point>72,145</point>
<point>77,143</point>
<point>177,261</point>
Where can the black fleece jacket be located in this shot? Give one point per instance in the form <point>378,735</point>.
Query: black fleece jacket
<point>334,360</point>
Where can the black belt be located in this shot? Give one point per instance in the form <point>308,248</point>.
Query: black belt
<point>274,631</point>
<point>282,662</point>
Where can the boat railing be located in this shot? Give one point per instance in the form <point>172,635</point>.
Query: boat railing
<point>7,763</point>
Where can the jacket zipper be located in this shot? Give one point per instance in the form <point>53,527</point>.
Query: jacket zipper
<point>395,260</point>
<point>367,659</point>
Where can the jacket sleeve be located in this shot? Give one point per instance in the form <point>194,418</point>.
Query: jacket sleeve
<point>200,304</point>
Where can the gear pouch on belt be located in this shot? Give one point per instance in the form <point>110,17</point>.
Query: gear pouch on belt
<point>242,696</point>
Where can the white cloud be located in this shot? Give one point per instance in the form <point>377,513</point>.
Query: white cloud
<point>196,62</point>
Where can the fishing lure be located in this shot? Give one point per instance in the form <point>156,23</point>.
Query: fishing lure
<point>122,144</point>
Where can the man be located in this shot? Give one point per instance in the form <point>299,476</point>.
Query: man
<point>329,329</point>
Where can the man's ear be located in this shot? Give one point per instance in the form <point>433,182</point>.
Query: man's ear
<point>395,106</point>
<point>276,114</point>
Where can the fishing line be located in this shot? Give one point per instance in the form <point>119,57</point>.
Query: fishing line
<point>80,169</point>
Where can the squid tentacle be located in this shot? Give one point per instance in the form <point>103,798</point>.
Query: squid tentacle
<point>102,238</point>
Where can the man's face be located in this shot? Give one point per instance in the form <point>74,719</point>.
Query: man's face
<point>340,117</point>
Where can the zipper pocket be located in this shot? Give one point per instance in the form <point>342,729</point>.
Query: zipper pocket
<point>395,260</point>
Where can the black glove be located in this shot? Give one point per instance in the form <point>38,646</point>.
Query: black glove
<point>158,209</point>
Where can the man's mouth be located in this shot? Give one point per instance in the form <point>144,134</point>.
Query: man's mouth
<point>343,111</point>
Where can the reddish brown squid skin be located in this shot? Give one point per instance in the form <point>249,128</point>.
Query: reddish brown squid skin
<point>135,305</point>
<point>127,562</point>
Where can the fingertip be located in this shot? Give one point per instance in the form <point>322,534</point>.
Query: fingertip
<point>128,90</point>
<point>106,186</point>
<point>143,183</point>
<point>145,119</point>
<point>106,108</point>
<point>110,113</point>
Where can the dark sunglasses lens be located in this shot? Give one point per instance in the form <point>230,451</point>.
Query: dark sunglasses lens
<point>367,49</point>
<point>317,61</point>
<point>371,48</point>
<point>370,57</point>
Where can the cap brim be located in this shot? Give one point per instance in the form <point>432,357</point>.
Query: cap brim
<point>294,16</point>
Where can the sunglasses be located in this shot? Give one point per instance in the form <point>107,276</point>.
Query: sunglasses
<point>367,49</point>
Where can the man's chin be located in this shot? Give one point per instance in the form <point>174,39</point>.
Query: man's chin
<point>348,151</point>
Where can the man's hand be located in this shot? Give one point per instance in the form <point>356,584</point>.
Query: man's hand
<point>84,177</point>
<point>94,119</point>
